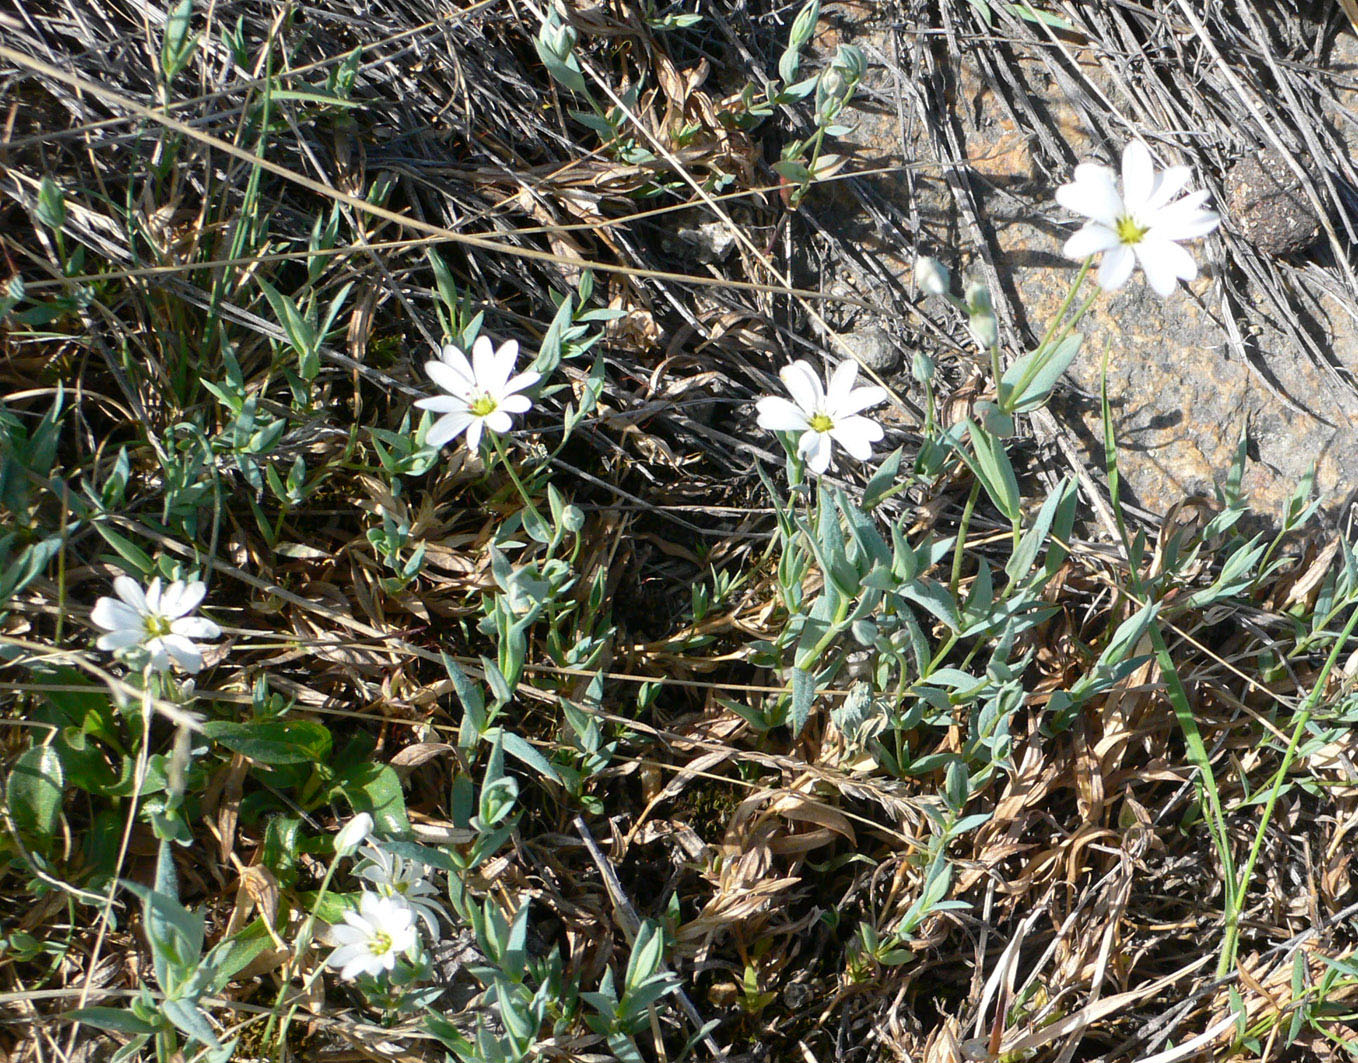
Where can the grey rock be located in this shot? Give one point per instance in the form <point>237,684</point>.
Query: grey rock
<point>872,347</point>
<point>709,242</point>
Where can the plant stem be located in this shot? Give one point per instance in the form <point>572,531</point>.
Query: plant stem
<point>1065,303</point>
<point>499,446</point>
<point>959,547</point>
<point>303,943</point>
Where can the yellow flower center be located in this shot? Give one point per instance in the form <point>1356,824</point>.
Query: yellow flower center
<point>380,944</point>
<point>1129,231</point>
<point>821,423</point>
<point>482,406</point>
<point>157,627</point>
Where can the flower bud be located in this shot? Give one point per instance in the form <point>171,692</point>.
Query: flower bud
<point>985,330</point>
<point>932,276</point>
<point>558,39</point>
<point>922,367</point>
<point>978,298</point>
<point>353,834</point>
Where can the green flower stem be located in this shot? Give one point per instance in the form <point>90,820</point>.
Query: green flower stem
<point>1066,303</point>
<point>1079,314</point>
<point>138,782</point>
<point>499,445</point>
<point>1057,331</point>
<point>996,370</point>
<point>303,943</point>
<point>959,548</point>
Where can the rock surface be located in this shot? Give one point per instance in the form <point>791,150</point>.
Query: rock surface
<point>1186,375</point>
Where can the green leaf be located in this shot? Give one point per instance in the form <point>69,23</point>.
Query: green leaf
<point>51,204</point>
<point>566,72</point>
<point>647,951</point>
<point>34,792</point>
<point>992,467</point>
<point>190,1018</point>
<point>141,562</point>
<point>1027,384</point>
<point>301,96</point>
<point>111,1020</point>
<point>273,741</point>
<point>517,746</point>
<point>549,353</point>
<point>376,789</point>
<point>300,332</point>
<point>883,480</point>
<point>177,47</point>
<point>803,694</point>
<point>229,957</point>
<point>474,719</point>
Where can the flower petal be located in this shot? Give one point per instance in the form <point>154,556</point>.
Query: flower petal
<point>363,963</point>
<point>516,404</point>
<point>778,415</point>
<point>1138,175</point>
<point>153,593</point>
<point>486,365</point>
<point>1090,240</point>
<point>841,383</point>
<point>442,404</point>
<point>195,627</point>
<point>113,615</point>
<point>183,597</point>
<point>803,384</point>
<point>856,400</point>
<point>344,935</point>
<point>523,380</point>
<point>1168,185</point>
<point>498,422</point>
<point>1164,264</point>
<point>449,426</point>
<point>1185,219</point>
<point>449,379</point>
<point>129,590</point>
<point>474,434</point>
<point>455,359</point>
<point>1116,267</point>
<point>183,651</point>
<point>1093,193</point>
<point>505,358</point>
<point>119,640</point>
<point>856,435</point>
<point>816,447</point>
<point>160,659</point>
<point>1197,225</point>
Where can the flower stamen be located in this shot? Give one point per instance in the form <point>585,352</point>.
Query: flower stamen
<point>1130,232</point>
<point>157,627</point>
<point>821,423</point>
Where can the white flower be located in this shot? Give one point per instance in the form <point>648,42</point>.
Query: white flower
<point>1144,223</point>
<point>353,834</point>
<point>157,620</point>
<point>402,879</point>
<point>823,414</point>
<point>371,939</point>
<point>482,393</point>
